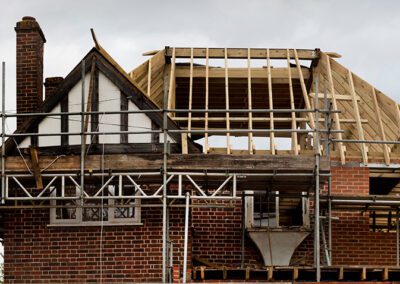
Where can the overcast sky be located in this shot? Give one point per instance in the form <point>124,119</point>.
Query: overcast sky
<point>366,33</point>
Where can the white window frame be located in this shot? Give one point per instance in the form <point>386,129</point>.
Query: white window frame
<point>112,221</point>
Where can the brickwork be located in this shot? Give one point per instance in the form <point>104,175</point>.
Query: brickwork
<point>217,235</point>
<point>35,252</point>
<point>352,241</point>
<point>51,85</point>
<point>30,43</point>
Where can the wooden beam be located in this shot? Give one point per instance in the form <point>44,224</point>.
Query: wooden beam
<point>356,113</point>
<point>205,149</point>
<point>249,104</point>
<point>124,118</point>
<point>277,73</point>
<point>190,94</point>
<point>64,121</point>
<point>35,167</point>
<point>260,119</point>
<point>171,90</point>
<point>334,107</point>
<point>385,147</point>
<point>149,79</point>
<point>295,147</point>
<point>138,162</point>
<point>228,143</point>
<point>338,97</point>
<point>241,53</point>
<point>94,118</point>
<point>271,106</point>
<point>304,90</point>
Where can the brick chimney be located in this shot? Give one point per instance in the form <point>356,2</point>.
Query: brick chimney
<point>51,84</point>
<point>30,42</point>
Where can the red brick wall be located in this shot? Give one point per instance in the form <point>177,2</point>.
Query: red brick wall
<point>133,253</point>
<point>30,41</point>
<point>217,235</point>
<point>352,241</point>
<point>35,252</point>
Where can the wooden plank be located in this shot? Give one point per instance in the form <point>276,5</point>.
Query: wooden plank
<point>171,90</point>
<point>247,273</point>
<point>124,118</point>
<point>205,149</point>
<point>334,107</point>
<point>241,53</point>
<point>341,273</point>
<point>385,274</point>
<point>228,143</point>
<point>295,273</point>
<point>356,113</point>
<point>385,147</point>
<point>184,143</point>
<point>304,90</point>
<point>249,104</point>
<point>149,72</point>
<point>338,97</point>
<point>258,119</point>
<point>295,147</point>
<point>238,73</point>
<point>270,273</point>
<point>363,274</point>
<point>190,94</point>
<point>35,167</point>
<point>200,162</point>
<point>271,106</point>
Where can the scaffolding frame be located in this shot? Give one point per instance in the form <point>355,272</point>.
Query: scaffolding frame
<point>162,193</point>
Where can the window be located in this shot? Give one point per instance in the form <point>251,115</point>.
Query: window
<point>276,210</point>
<point>106,210</point>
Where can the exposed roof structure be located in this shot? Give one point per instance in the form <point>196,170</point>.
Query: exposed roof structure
<point>207,79</point>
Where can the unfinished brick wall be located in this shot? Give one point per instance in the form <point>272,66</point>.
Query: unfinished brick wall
<point>37,253</point>
<point>217,234</point>
<point>30,42</point>
<point>352,241</point>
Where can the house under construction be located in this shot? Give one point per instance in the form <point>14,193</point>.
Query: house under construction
<point>201,164</point>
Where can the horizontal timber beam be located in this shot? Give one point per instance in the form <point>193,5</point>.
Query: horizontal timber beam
<point>241,53</point>
<point>200,72</point>
<point>191,162</point>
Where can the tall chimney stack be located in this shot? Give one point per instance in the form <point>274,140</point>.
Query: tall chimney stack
<point>30,42</point>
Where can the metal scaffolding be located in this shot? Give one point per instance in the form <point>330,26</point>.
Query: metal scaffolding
<point>166,177</point>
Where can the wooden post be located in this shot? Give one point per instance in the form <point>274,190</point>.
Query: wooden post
<point>249,103</point>
<point>304,90</point>
<point>228,143</point>
<point>149,79</point>
<point>190,93</point>
<point>295,147</point>
<point>385,147</point>
<point>35,167</point>
<point>357,117</point>
<point>171,91</point>
<point>334,107</point>
<point>271,106</point>
<point>205,150</point>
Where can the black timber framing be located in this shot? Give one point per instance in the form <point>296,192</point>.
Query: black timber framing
<point>124,118</point>
<point>64,121</point>
<point>94,118</point>
<point>120,80</point>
